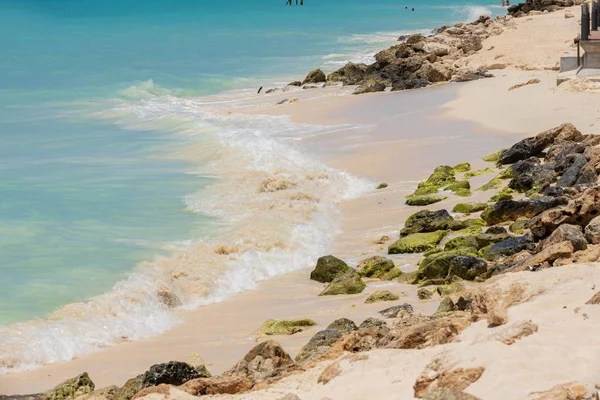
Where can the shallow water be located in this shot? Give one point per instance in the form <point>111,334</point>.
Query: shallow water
<point>108,157</point>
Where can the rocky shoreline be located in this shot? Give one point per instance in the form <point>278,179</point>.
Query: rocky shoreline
<point>543,212</point>
<point>419,61</point>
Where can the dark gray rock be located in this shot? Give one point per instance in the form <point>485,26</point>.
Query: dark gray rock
<point>467,267</point>
<point>510,210</point>
<point>571,174</point>
<point>509,247</point>
<point>430,221</point>
<point>171,373</point>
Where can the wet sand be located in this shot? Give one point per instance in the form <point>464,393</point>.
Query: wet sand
<point>401,138</point>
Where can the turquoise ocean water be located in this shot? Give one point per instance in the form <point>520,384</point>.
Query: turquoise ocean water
<point>84,199</point>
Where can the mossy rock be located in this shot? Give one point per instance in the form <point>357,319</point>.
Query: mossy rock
<point>382,295</point>
<point>417,242</point>
<point>436,266</point>
<point>348,283</point>
<point>469,241</point>
<point>72,388</point>
<point>491,185</point>
<point>458,185</point>
<point>479,172</point>
<point>462,167</point>
<point>483,251</point>
<point>431,221</point>
<point>504,194</point>
<point>408,277</point>
<point>424,200</point>
<point>519,226</point>
<point>425,190</point>
<point>327,268</point>
<point>494,157</point>
<point>469,208</point>
<point>507,174</point>
<point>441,176</point>
<point>424,294</point>
<point>375,267</point>
<point>391,274</point>
<point>273,327</point>
<point>471,226</point>
<point>433,251</point>
<point>382,185</point>
<point>463,192</point>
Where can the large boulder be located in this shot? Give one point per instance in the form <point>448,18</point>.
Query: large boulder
<point>417,242</point>
<point>315,76</point>
<point>171,373</point>
<point>392,312</point>
<point>318,344</point>
<point>327,268</point>
<point>348,283</point>
<point>72,388</point>
<point>471,44</point>
<point>349,74</point>
<point>566,232</point>
<point>511,210</point>
<point>130,388</point>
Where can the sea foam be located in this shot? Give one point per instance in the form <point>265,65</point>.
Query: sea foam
<point>278,211</point>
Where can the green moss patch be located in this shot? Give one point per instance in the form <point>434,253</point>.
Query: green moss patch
<point>417,242</point>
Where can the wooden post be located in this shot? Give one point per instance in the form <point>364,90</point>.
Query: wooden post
<point>594,16</point>
<point>585,21</point>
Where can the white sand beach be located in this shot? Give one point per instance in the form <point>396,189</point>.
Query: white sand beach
<point>399,138</point>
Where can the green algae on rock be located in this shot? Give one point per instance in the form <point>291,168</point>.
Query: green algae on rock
<point>391,274</point>
<point>469,208</point>
<point>375,267</point>
<point>504,194</point>
<point>348,283</point>
<point>72,388</point>
<point>479,172</point>
<point>495,183</point>
<point>519,226</point>
<point>431,221</point>
<point>462,242</point>
<point>494,157</point>
<point>382,185</point>
<point>284,327</point>
<point>424,200</point>
<point>462,167</point>
<point>327,268</point>
<point>382,295</point>
<point>417,242</point>
<point>436,266</point>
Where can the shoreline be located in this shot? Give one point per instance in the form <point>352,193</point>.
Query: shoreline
<point>349,159</point>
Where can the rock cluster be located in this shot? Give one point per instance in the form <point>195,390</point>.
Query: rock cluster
<point>521,9</point>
